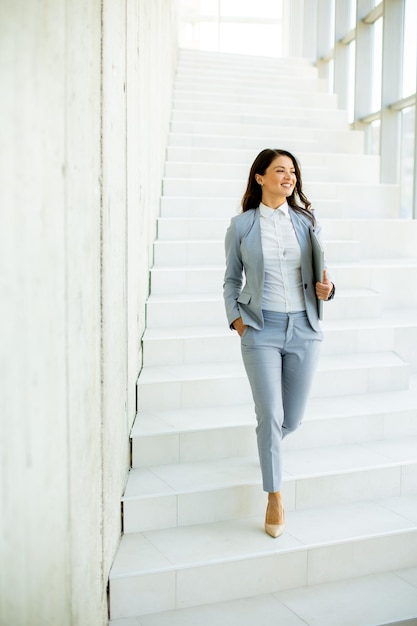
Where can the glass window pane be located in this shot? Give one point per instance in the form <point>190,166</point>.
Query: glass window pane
<point>410,48</point>
<point>376,65</point>
<point>352,14</point>
<point>257,39</point>
<point>374,136</point>
<point>351,81</point>
<point>330,76</point>
<point>208,34</point>
<point>261,9</point>
<point>209,7</point>
<point>332,22</point>
<point>407,160</point>
<point>240,26</point>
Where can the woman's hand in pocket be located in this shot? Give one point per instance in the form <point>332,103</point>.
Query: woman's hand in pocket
<point>239,326</point>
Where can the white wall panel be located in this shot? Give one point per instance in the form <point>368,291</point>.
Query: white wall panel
<point>86,98</point>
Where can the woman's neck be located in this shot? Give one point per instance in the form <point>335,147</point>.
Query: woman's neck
<point>274,202</point>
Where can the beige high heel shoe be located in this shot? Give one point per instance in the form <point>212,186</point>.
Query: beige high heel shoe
<point>274,530</point>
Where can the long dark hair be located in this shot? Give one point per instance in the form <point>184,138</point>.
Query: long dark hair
<point>253,193</point>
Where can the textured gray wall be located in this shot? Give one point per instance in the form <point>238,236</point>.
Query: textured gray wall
<point>84,113</point>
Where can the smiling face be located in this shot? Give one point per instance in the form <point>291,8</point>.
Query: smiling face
<point>278,181</point>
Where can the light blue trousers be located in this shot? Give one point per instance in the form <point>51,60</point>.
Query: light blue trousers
<point>280,361</point>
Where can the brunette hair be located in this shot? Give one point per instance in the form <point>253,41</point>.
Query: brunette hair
<point>253,193</point>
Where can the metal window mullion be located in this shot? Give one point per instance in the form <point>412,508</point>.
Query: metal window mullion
<point>392,55</point>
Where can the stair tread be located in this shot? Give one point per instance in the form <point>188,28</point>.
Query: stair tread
<point>241,156</point>
<point>188,55</point>
<point>149,423</point>
<point>397,319</point>
<point>363,601</point>
<point>196,371</point>
<point>284,124</point>
<point>267,91</point>
<point>222,473</point>
<point>215,242</point>
<point>217,297</point>
<point>204,544</point>
<point>315,132</point>
<point>362,263</point>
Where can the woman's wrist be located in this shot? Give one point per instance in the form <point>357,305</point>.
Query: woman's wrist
<point>331,294</point>
<point>238,325</point>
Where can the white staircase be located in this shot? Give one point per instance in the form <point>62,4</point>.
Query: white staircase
<point>194,550</point>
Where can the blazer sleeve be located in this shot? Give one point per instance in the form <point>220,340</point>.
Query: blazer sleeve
<point>317,228</point>
<point>233,277</point>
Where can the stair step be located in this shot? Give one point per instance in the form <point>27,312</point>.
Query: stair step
<point>184,309</point>
<point>287,129</point>
<point>266,116</point>
<point>193,493</point>
<point>208,563</point>
<point>247,76</point>
<point>264,88</point>
<point>244,157</point>
<point>218,207</point>
<point>350,192</point>
<point>388,598</point>
<point>203,434</point>
<point>385,275</point>
<point>198,228</point>
<point>388,238</point>
<point>211,251</point>
<point>201,344</point>
<point>195,101</point>
<point>288,106</point>
<point>262,84</point>
<point>234,124</point>
<point>206,59</point>
<point>344,141</point>
<point>203,58</point>
<point>215,79</point>
<point>322,170</point>
<point>381,238</point>
<point>222,383</point>
<point>394,279</point>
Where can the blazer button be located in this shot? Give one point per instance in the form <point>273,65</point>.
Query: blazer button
<point>305,286</point>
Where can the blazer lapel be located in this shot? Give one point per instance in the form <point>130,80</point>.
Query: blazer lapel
<point>253,242</point>
<point>301,231</point>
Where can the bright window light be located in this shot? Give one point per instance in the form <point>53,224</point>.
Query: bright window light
<point>410,48</point>
<point>239,26</point>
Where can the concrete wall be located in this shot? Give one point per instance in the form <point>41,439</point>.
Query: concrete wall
<point>84,112</point>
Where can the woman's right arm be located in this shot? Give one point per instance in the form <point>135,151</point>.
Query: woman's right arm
<point>233,280</point>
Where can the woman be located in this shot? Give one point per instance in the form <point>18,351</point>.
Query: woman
<point>275,313</point>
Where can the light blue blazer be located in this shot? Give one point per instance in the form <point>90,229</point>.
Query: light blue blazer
<point>244,255</point>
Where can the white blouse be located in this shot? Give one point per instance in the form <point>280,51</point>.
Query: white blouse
<point>283,288</point>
